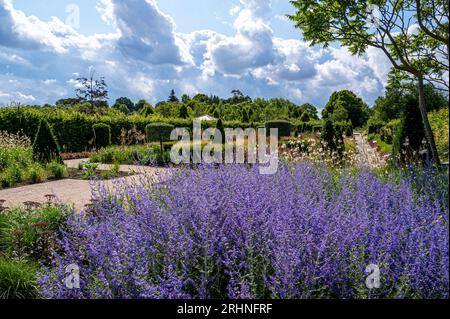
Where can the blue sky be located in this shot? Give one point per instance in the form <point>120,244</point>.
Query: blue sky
<point>144,48</point>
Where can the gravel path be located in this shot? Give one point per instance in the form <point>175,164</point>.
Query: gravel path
<point>75,192</point>
<point>366,156</point>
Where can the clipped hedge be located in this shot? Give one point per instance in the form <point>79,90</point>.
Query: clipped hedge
<point>102,135</point>
<point>284,127</point>
<point>73,129</point>
<point>307,127</point>
<point>158,132</point>
<point>45,145</point>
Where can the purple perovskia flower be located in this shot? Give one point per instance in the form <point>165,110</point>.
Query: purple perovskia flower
<point>230,232</point>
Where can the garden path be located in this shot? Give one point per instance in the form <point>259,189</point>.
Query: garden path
<point>366,156</point>
<point>75,192</point>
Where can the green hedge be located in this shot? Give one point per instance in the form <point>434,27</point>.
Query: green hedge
<point>307,127</point>
<point>102,135</point>
<point>344,127</point>
<point>73,130</point>
<point>158,132</point>
<point>45,145</point>
<point>284,127</point>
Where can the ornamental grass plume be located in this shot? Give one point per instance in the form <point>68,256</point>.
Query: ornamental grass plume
<point>230,232</point>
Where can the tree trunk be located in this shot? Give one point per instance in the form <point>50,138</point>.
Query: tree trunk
<point>428,131</point>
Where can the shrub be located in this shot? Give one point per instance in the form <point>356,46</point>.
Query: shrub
<point>102,135</point>
<point>45,146</point>
<point>284,127</point>
<point>328,135</point>
<point>37,174</point>
<point>306,127</point>
<point>314,241</point>
<point>387,131</point>
<point>30,234</point>
<point>410,134</point>
<point>73,129</point>
<point>159,132</point>
<point>439,121</point>
<point>58,170</point>
<point>12,175</point>
<point>17,279</point>
<point>14,149</point>
<point>345,128</point>
<point>106,175</point>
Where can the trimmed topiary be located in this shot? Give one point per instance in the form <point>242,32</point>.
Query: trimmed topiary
<point>45,146</point>
<point>410,134</point>
<point>102,135</point>
<point>159,132</point>
<point>328,135</point>
<point>284,127</point>
<point>221,129</point>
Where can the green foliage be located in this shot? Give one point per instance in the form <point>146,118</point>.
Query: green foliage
<point>374,125</point>
<point>129,155</point>
<point>384,147</point>
<point>158,132</point>
<point>183,111</point>
<point>102,135</point>
<point>328,135</point>
<point>387,131</point>
<point>345,105</point>
<point>391,105</point>
<point>344,127</point>
<point>37,173</point>
<point>245,117</point>
<point>386,108</point>
<point>221,129</point>
<point>121,108</point>
<point>310,109</point>
<point>440,123</point>
<point>115,170</point>
<point>305,117</point>
<point>45,146</point>
<point>89,170</point>
<point>26,240</point>
<point>141,106</point>
<point>74,129</point>
<point>17,279</point>
<point>93,90</point>
<point>124,101</point>
<point>12,175</point>
<point>29,234</point>
<point>410,134</point>
<point>147,110</point>
<point>173,97</point>
<point>306,127</point>
<point>57,170</point>
<point>284,127</point>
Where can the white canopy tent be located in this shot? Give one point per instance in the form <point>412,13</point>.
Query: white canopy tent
<point>206,118</point>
